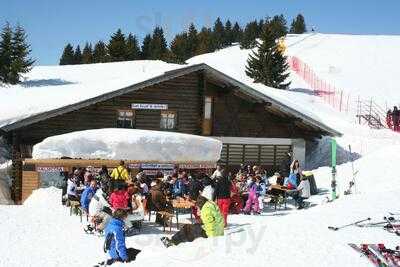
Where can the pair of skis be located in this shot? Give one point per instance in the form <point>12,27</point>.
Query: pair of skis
<point>378,254</point>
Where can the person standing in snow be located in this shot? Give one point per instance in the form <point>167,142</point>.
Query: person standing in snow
<point>213,225</point>
<point>72,194</point>
<point>389,119</point>
<point>219,172</point>
<point>115,240</point>
<point>194,189</point>
<point>252,203</point>
<point>223,196</point>
<point>208,190</point>
<point>120,174</point>
<point>87,195</point>
<point>285,165</point>
<point>302,192</point>
<point>396,117</point>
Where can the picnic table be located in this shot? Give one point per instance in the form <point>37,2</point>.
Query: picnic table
<point>277,191</point>
<point>181,205</point>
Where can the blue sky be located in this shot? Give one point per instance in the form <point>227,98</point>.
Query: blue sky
<point>52,23</point>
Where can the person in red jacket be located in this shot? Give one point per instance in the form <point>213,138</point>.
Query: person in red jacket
<point>119,199</point>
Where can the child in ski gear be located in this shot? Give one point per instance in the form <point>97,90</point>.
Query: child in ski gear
<point>252,201</point>
<point>87,195</point>
<point>115,239</point>
<point>261,191</point>
<point>213,225</point>
<point>223,196</point>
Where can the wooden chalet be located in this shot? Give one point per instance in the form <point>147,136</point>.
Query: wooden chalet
<point>197,99</point>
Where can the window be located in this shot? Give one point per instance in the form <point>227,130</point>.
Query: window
<point>168,120</point>
<point>125,119</point>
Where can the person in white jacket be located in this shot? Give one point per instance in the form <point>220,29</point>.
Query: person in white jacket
<point>97,210</point>
<point>303,192</point>
<point>208,190</point>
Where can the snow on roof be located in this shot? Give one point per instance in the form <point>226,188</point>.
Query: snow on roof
<point>130,144</point>
<point>50,87</point>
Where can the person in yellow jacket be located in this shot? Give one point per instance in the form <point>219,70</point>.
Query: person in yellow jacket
<point>119,175</point>
<point>212,225</point>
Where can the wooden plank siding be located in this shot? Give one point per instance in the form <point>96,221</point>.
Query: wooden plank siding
<point>237,117</point>
<point>181,94</point>
<point>30,182</point>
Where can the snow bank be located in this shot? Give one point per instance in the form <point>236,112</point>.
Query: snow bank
<point>141,145</point>
<point>50,87</point>
<point>5,183</point>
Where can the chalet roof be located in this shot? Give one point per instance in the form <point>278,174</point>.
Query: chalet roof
<point>53,91</point>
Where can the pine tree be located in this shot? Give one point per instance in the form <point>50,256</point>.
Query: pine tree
<point>78,55</point>
<point>100,54</point>
<point>158,44</point>
<point>132,48</point>
<point>180,48</point>
<point>237,33</point>
<point>205,41</point>
<point>87,54</point>
<point>228,40</point>
<point>117,46</point>
<point>249,35</point>
<point>193,40</point>
<point>260,27</point>
<point>6,53</point>
<point>218,34</point>
<point>21,62</point>
<point>146,47</point>
<point>67,57</point>
<point>298,25</point>
<point>267,65</point>
<point>278,26</point>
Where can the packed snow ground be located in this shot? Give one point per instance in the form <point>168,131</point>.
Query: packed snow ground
<point>132,144</point>
<point>41,232</point>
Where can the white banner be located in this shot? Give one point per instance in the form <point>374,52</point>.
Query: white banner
<point>149,106</point>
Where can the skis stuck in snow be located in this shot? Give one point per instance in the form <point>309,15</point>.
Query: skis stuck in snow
<point>378,254</point>
<point>333,228</point>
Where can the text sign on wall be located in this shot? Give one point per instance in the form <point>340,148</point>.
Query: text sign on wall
<point>150,106</point>
<point>49,169</point>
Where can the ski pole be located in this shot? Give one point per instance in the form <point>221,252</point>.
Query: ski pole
<point>354,223</point>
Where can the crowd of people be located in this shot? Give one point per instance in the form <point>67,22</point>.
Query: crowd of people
<point>115,201</point>
<point>393,119</point>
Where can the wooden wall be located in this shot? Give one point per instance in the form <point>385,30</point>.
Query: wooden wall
<point>181,94</point>
<point>30,182</point>
<point>237,117</point>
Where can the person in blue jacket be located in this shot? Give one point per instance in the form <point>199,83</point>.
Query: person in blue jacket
<point>87,195</point>
<point>115,239</point>
<point>178,188</point>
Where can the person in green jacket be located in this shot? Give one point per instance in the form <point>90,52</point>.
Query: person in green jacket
<point>212,225</point>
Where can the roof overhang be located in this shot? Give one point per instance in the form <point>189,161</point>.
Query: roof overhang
<point>209,71</point>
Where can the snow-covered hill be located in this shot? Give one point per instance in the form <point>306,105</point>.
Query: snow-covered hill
<point>41,232</point>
